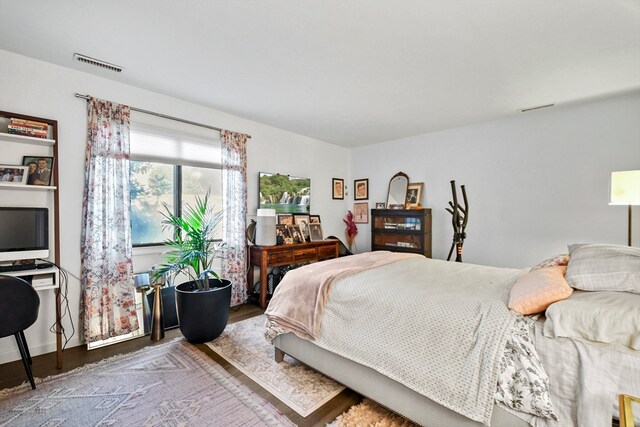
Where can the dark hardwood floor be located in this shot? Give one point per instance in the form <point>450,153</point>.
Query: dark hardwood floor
<point>12,374</point>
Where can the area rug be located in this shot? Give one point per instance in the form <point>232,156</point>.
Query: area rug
<point>302,389</point>
<point>370,414</point>
<point>172,384</point>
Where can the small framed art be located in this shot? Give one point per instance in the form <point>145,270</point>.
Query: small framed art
<point>302,220</point>
<point>285,219</point>
<point>337,188</point>
<point>362,189</point>
<point>283,235</point>
<point>381,205</point>
<point>296,234</point>
<point>315,232</point>
<point>14,175</point>
<point>361,213</point>
<point>314,219</point>
<point>40,169</point>
<point>414,194</point>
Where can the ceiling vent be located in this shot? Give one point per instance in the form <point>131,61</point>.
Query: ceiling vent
<point>538,107</point>
<point>97,62</point>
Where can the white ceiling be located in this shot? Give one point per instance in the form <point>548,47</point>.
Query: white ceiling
<point>346,72</point>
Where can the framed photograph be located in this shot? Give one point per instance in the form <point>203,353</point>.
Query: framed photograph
<point>283,235</point>
<point>337,188</point>
<point>381,205</point>
<point>314,219</point>
<point>361,213</point>
<point>40,169</point>
<point>414,194</point>
<point>15,175</point>
<point>296,233</point>
<point>315,231</point>
<point>302,221</point>
<point>285,219</point>
<point>362,189</point>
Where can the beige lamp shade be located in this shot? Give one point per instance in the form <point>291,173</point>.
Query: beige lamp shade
<point>625,188</point>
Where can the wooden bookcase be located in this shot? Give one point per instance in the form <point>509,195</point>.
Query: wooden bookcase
<point>14,147</point>
<point>401,230</point>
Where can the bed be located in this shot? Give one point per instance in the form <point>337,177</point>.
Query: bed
<point>428,339</point>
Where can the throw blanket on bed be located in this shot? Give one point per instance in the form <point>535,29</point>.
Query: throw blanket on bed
<point>437,327</point>
<point>299,300</point>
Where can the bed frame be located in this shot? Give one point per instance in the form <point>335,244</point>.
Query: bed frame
<point>385,391</point>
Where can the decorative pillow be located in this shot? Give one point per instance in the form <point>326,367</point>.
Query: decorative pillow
<point>597,267</point>
<point>608,317</point>
<point>533,292</point>
<point>562,259</point>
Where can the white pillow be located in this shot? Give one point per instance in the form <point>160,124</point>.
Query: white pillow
<point>599,267</point>
<point>607,317</point>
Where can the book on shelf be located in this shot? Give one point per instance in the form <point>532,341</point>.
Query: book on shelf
<point>29,123</point>
<point>35,134</point>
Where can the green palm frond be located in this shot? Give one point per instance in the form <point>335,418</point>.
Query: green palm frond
<point>192,249</point>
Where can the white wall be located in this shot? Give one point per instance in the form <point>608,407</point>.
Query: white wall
<point>41,89</point>
<point>535,182</point>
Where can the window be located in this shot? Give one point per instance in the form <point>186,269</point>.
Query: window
<point>171,164</point>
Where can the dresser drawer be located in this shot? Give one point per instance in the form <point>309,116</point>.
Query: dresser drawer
<point>280,257</point>
<point>305,254</point>
<point>326,252</point>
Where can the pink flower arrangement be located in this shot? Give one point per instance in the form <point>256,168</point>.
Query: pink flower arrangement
<point>352,229</point>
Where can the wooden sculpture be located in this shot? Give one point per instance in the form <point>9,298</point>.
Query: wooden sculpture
<point>459,220</point>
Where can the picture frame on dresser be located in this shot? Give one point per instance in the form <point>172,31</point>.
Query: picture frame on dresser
<point>13,174</point>
<point>315,232</point>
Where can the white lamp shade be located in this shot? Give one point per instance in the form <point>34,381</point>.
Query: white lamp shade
<point>625,188</point>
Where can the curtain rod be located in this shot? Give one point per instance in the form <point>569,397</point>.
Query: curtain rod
<point>164,116</point>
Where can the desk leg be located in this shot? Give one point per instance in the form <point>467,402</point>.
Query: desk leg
<point>263,283</point>
<point>250,280</point>
<point>58,329</point>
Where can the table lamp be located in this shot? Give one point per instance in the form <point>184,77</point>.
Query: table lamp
<point>625,190</point>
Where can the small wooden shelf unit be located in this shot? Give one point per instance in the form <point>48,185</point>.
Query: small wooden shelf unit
<point>401,230</point>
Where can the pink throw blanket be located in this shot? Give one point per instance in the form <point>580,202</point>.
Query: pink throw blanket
<point>298,302</point>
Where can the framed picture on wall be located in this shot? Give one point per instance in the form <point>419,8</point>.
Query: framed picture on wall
<point>361,213</point>
<point>337,188</point>
<point>361,188</point>
<point>381,205</point>
<point>414,194</point>
<point>314,219</point>
<point>40,169</point>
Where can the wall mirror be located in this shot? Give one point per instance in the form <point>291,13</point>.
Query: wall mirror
<point>397,195</point>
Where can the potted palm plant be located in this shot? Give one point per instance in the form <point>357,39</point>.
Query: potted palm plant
<point>202,303</point>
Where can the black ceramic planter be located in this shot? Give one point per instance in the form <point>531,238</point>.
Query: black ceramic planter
<point>203,315</point>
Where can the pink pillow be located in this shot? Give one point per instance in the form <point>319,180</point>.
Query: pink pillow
<point>562,259</point>
<point>536,290</point>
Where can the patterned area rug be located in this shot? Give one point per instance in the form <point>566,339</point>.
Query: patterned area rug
<point>300,388</point>
<point>173,384</point>
<point>369,413</point>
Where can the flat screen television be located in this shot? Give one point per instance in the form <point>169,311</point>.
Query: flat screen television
<point>284,193</point>
<point>24,233</point>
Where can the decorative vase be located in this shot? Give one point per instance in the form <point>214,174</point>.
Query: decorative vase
<point>203,314</point>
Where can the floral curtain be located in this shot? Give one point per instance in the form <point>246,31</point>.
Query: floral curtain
<point>109,308</point>
<point>234,201</point>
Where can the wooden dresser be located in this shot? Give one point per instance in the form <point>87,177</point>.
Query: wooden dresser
<point>274,256</point>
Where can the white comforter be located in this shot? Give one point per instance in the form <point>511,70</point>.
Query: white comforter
<point>454,363</point>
